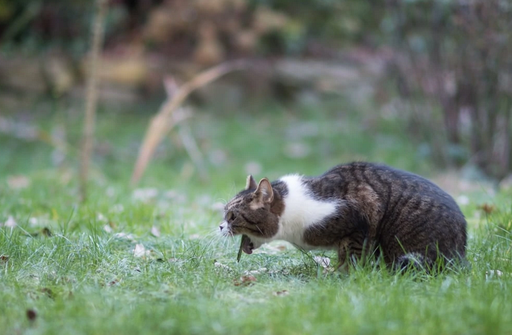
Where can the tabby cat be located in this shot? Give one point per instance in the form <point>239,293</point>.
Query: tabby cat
<point>358,209</point>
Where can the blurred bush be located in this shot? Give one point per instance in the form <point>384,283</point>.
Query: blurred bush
<point>47,41</point>
<point>450,59</point>
<point>33,26</point>
<point>454,57</point>
<point>225,27</point>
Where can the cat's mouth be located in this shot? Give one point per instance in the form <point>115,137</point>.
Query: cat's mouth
<point>246,244</point>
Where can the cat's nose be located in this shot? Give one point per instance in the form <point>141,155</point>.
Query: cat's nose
<point>221,227</point>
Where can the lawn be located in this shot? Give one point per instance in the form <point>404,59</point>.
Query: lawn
<point>147,259</point>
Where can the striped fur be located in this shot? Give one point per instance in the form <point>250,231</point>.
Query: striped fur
<point>357,209</point>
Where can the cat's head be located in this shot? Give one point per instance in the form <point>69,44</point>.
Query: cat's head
<point>254,212</point>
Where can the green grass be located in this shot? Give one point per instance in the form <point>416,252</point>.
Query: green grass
<point>83,279</point>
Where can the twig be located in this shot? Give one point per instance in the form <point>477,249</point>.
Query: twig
<point>92,95</point>
<point>193,150</point>
<point>160,124</point>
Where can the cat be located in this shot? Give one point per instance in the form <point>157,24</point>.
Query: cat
<point>357,209</point>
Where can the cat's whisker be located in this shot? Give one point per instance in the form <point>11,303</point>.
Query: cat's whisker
<point>212,238</point>
<point>215,238</point>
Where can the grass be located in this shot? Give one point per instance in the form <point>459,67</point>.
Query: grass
<point>73,264</point>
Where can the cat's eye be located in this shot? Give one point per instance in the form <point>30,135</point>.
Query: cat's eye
<point>230,216</point>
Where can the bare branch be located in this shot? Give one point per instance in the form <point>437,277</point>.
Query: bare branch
<point>92,95</point>
<point>162,122</point>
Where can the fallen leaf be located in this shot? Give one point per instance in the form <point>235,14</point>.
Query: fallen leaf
<point>155,231</point>
<point>245,281</point>
<point>4,258</point>
<point>322,261</point>
<point>113,282</point>
<point>487,208</point>
<point>46,232</point>
<point>270,249</point>
<point>281,293</point>
<point>48,292</point>
<point>31,314</point>
<point>140,251</point>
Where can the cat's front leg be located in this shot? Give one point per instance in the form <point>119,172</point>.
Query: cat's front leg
<point>351,251</point>
<point>343,254</point>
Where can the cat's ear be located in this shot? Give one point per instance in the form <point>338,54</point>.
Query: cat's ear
<point>250,183</point>
<point>264,192</point>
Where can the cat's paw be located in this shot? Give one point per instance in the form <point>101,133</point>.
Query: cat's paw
<point>411,260</point>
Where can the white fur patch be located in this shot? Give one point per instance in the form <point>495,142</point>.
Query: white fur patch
<point>224,229</point>
<point>301,211</point>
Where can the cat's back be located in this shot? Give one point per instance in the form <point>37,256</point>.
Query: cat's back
<point>390,185</point>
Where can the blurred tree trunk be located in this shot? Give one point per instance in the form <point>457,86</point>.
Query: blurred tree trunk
<point>458,58</point>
